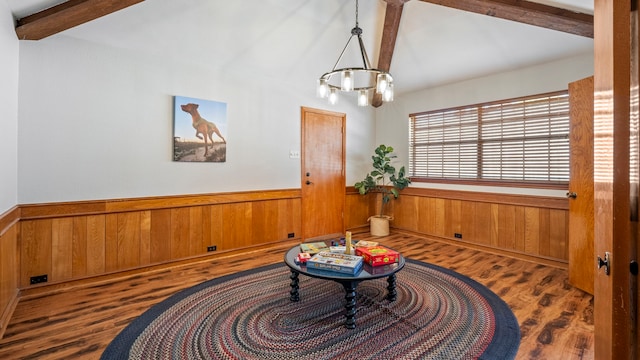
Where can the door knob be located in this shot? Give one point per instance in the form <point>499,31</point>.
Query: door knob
<point>606,262</point>
<point>309,182</point>
<point>572,195</point>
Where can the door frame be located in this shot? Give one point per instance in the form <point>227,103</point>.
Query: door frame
<point>615,294</point>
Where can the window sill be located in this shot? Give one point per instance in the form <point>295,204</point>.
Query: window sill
<point>559,185</point>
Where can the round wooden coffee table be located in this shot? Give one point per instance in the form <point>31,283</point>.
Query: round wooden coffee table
<point>349,282</point>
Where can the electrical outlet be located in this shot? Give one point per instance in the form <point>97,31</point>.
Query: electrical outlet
<point>291,235</point>
<point>39,279</point>
<point>458,235</point>
<point>211,248</point>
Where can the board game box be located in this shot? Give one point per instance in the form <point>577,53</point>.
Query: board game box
<point>314,247</point>
<point>341,249</point>
<point>302,258</point>
<point>378,255</point>
<point>366,243</point>
<point>342,263</point>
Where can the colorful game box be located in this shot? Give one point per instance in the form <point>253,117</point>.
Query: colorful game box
<point>303,257</point>
<point>378,255</point>
<point>342,263</point>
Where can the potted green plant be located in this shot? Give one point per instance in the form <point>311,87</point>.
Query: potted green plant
<point>384,179</point>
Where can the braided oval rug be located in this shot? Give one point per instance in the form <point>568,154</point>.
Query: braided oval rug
<point>438,314</point>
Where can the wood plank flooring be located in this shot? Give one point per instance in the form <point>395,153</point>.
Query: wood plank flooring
<point>556,320</point>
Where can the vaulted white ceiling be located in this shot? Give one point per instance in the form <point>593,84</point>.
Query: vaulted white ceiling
<point>302,39</point>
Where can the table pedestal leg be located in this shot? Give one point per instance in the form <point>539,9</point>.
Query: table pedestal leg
<point>391,288</point>
<point>350,306</point>
<point>294,293</point>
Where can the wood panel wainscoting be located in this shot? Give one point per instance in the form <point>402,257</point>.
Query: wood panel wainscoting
<point>529,227</point>
<point>84,241</point>
<point>9,258</point>
<point>76,240</point>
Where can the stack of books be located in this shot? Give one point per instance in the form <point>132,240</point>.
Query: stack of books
<point>341,263</point>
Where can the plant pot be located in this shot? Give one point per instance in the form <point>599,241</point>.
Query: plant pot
<point>379,225</point>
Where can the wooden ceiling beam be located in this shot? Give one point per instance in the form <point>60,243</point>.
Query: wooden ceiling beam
<point>522,11</point>
<point>388,43</point>
<point>65,16</point>
<point>527,12</point>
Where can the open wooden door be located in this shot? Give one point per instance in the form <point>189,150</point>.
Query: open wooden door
<point>323,175</point>
<point>581,256</point>
<point>615,178</point>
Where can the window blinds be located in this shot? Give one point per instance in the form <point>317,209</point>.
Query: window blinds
<point>523,139</point>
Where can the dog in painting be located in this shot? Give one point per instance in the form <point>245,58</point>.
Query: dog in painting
<point>204,128</point>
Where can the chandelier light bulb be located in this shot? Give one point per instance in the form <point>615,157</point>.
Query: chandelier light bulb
<point>363,98</point>
<point>387,96</point>
<point>323,88</point>
<point>382,83</point>
<point>347,80</point>
<point>333,97</point>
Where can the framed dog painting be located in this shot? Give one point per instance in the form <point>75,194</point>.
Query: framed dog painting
<point>199,130</point>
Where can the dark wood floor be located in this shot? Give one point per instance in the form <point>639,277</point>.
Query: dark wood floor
<point>556,320</point>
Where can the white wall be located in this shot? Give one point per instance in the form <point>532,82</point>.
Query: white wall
<point>392,119</point>
<point>96,123</point>
<point>8,111</point>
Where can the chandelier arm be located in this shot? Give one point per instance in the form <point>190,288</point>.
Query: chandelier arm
<point>342,53</point>
<point>363,53</point>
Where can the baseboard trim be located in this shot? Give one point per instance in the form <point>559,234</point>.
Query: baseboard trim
<point>7,313</point>
<point>53,288</point>
<point>561,264</point>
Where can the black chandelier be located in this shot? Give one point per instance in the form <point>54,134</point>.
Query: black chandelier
<point>363,80</point>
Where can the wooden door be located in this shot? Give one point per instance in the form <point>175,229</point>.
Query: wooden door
<point>323,179</point>
<point>615,206</point>
<point>581,217</point>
